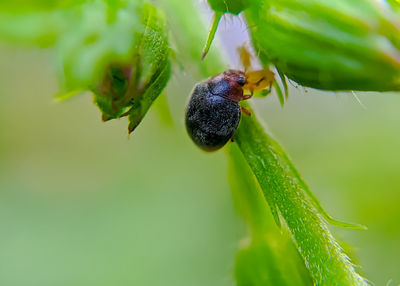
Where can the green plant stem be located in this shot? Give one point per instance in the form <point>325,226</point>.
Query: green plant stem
<point>268,256</point>
<point>283,189</point>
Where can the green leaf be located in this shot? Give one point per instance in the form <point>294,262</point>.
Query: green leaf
<point>154,66</point>
<point>332,45</point>
<point>142,103</point>
<point>117,49</point>
<point>211,34</point>
<point>285,190</point>
<point>129,89</point>
<point>87,37</point>
<point>102,35</point>
<point>229,6</point>
<point>221,7</point>
<point>284,83</point>
<point>279,93</point>
<point>130,85</point>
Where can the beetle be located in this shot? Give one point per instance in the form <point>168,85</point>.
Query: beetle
<point>213,112</point>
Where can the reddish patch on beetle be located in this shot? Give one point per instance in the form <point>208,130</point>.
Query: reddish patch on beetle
<point>236,80</point>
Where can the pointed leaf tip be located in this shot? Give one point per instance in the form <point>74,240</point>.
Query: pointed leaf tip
<point>211,34</point>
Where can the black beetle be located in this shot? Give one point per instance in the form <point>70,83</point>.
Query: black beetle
<point>213,112</point>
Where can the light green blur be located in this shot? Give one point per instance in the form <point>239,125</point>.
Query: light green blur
<point>83,204</point>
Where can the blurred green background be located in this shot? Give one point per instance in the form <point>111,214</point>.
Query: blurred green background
<point>81,203</point>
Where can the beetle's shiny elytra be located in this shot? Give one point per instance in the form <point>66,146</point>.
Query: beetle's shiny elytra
<point>213,112</point>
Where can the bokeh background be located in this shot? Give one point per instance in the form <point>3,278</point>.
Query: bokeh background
<point>81,203</point>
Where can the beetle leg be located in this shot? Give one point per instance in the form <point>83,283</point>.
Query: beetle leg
<point>245,111</point>
<point>247,96</point>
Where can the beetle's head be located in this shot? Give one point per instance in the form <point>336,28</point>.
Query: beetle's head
<point>228,84</point>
